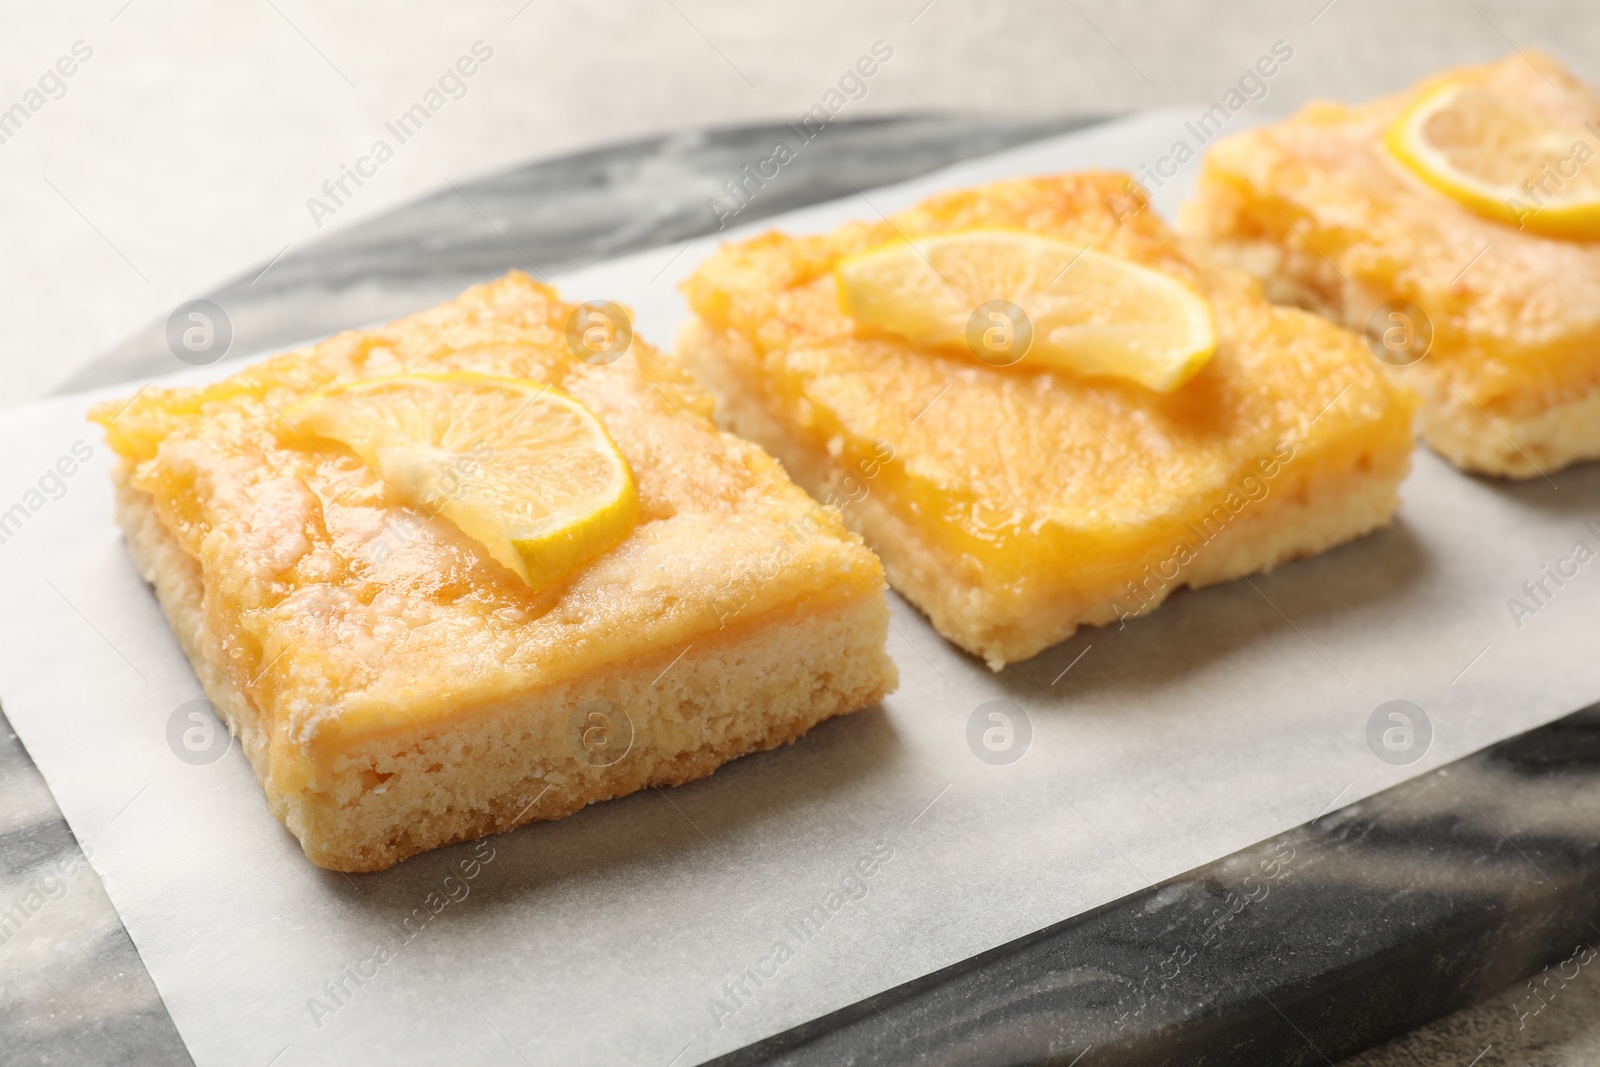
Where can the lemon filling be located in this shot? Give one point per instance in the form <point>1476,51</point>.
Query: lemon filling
<point>1014,545</point>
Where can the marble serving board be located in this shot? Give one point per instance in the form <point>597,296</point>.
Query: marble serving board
<point>1043,912</point>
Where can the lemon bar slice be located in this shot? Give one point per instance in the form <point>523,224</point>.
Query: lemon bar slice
<point>1458,225</point>
<point>1013,501</point>
<point>449,576</point>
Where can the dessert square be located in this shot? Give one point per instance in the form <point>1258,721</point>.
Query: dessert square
<point>1499,324</point>
<point>1014,504</point>
<point>394,686</point>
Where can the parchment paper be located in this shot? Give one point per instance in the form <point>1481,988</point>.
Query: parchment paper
<point>669,927</point>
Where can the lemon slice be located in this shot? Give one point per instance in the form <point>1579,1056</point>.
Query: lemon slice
<point>524,470</point>
<point>1503,159</point>
<point>1006,295</point>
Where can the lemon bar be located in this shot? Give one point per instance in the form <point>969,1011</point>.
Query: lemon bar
<point>1013,504</point>
<point>1487,305</point>
<point>397,680</point>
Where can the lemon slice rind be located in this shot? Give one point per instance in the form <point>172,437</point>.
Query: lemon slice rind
<point>1089,313</point>
<point>1543,210</point>
<point>525,470</point>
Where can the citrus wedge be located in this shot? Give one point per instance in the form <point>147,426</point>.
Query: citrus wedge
<point>526,471</point>
<point>1503,159</point>
<point>1006,295</point>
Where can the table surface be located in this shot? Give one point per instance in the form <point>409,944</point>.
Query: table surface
<point>184,150</point>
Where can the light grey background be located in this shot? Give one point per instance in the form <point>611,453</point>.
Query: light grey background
<point>182,153</point>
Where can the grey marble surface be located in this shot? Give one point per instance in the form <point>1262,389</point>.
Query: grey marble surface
<point>72,987</point>
<point>1499,1032</point>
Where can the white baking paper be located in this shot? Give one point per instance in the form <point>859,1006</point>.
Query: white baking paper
<point>669,927</point>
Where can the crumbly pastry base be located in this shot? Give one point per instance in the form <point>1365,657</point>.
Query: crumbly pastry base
<point>1531,446</point>
<point>1312,506</point>
<point>752,686</point>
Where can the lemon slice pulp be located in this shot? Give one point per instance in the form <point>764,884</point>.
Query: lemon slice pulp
<point>1504,160</point>
<point>523,469</point>
<point>1006,295</point>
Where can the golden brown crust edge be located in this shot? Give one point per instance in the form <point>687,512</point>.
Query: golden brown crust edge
<point>808,666</point>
